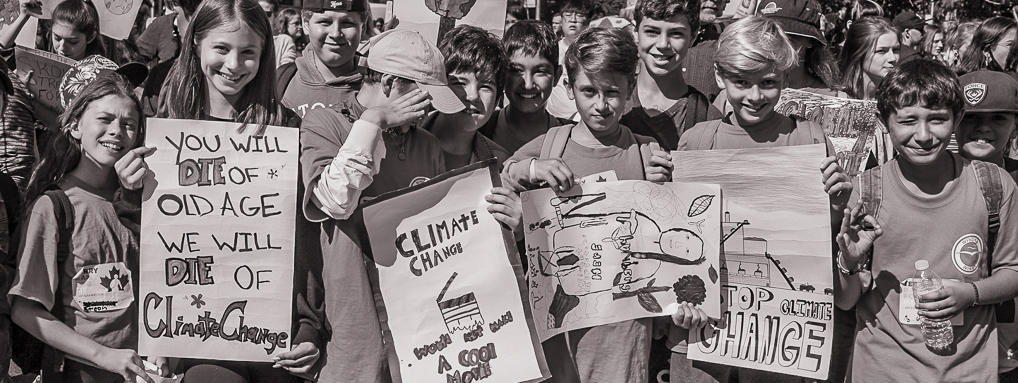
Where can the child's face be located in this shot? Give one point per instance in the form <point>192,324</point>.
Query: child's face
<point>1003,47</point>
<point>983,136</point>
<point>920,135</point>
<point>883,58</point>
<point>230,58</point>
<point>334,36</point>
<point>600,98</point>
<point>478,93</point>
<point>753,95</point>
<point>107,129</point>
<point>573,23</point>
<point>69,42</point>
<point>663,43</point>
<point>529,83</point>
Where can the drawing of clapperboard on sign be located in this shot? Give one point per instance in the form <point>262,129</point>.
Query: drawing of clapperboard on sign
<point>461,313</point>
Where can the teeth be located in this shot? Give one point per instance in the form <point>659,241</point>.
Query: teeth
<point>527,96</point>
<point>111,146</point>
<point>228,77</point>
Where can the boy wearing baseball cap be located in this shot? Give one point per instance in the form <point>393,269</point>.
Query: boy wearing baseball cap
<point>911,27</point>
<point>346,159</point>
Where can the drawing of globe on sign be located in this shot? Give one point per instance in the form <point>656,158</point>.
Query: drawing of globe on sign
<point>119,7</point>
<point>9,10</point>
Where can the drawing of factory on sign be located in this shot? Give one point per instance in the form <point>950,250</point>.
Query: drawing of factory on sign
<point>746,261</point>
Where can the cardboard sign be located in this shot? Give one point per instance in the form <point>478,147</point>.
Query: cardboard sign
<point>433,18</point>
<point>778,291</point>
<point>217,241</point>
<point>606,252</point>
<point>851,125</point>
<point>116,17</point>
<point>449,285</point>
<point>47,70</point>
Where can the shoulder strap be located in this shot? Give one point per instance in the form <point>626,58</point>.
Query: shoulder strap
<point>53,359</point>
<point>871,191</point>
<point>284,74</point>
<point>702,139</point>
<point>555,141</point>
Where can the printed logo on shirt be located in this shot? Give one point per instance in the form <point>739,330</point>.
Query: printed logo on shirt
<point>103,287</point>
<point>418,180</point>
<point>974,93</point>
<point>967,252</point>
<point>770,8</point>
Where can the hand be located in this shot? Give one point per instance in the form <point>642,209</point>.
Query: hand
<point>162,364</point>
<point>551,170</point>
<point>132,169</point>
<point>507,208</point>
<point>689,317</point>
<point>955,297</point>
<point>298,360</point>
<point>125,363</point>
<point>30,7</point>
<point>857,234</point>
<point>837,184</point>
<point>406,108</point>
<point>660,166</point>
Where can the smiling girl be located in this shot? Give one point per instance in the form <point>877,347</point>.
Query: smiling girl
<point>62,301</point>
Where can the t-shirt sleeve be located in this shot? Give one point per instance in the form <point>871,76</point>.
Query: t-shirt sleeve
<point>38,272</point>
<point>1005,250</point>
<point>322,135</point>
<point>695,131</point>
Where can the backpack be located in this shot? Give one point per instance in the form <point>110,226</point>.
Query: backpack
<point>284,74</point>
<point>555,144</point>
<point>992,187</point>
<point>29,353</point>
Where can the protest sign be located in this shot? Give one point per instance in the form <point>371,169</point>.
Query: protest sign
<point>433,18</point>
<point>851,125</point>
<point>47,70</point>
<point>449,285</point>
<point>776,259</point>
<point>116,17</point>
<point>606,252</point>
<point>217,241</point>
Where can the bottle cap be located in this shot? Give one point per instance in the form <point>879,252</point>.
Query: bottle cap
<point>922,264</point>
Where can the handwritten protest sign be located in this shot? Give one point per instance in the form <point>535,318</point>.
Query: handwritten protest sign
<point>433,18</point>
<point>217,241</point>
<point>776,259</point>
<point>116,17</point>
<point>605,252</point>
<point>449,284</point>
<point>47,69</point>
<point>851,125</point>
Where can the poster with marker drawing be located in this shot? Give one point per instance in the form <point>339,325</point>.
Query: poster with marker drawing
<point>605,252</point>
<point>116,17</point>
<point>776,268</point>
<point>433,18</point>
<point>217,241</point>
<point>449,284</point>
<point>851,125</point>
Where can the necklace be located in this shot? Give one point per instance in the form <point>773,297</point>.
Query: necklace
<point>399,138</point>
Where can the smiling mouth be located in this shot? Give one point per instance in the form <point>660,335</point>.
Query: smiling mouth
<point>528,96</point>
<point>230,78</point>
<point>112,146</point>
<point>662,57</point>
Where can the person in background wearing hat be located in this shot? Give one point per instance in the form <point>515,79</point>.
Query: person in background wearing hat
<point>663,106</point>
<point>328,70</point>
<point>346,160</point>
<point>910,26</point>
<point>815,69</point>
<point>699,65</point>
<point>985,132</point>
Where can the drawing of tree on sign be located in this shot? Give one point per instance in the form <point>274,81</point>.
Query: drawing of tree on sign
<point>449,11</point>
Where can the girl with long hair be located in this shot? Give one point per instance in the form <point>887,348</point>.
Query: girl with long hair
<point>991,45</point>
<point>870,53</point>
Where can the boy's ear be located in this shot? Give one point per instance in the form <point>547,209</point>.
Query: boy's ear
<point>717,78</point>
<point>569,89</point>
<point>387,81</point>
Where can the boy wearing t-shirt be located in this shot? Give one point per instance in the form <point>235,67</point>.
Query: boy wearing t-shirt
<point>752,59</point>
<point>926,204</point>
<point>530,77</point>
<point>601,67</point>
<point>663,105</point>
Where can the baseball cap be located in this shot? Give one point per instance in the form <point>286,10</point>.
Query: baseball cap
<point>5,77</point>
<point>407,54</point>
<point>797,17</point>
<point>908,20</point>
<point>92,67</point>
<point>990,91</point>
<point>335,5</point>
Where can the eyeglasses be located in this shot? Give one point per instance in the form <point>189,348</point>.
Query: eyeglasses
<point>573,17</point>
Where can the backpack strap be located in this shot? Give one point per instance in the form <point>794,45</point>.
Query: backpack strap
<point>992,187</point>
<point>53,359</point>
<point>706,139</point>
<point>871,191</point>
<point>555,141</point>
<point>284,74</point>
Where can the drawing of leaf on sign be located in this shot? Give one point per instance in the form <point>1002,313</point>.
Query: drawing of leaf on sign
<point>699,205</point>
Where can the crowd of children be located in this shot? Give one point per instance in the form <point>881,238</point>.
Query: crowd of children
<point>409,110</point>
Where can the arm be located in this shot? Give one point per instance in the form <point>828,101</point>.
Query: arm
<point>553,171</point>
<point>39,322</point>
<point>27,8</point>
<point>855,246</point>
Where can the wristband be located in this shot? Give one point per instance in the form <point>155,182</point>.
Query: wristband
<point>976,289</point>
<point>532,173</point>
<point>845,270</point>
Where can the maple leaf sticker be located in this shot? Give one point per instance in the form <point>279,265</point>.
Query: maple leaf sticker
<point>114,276</point>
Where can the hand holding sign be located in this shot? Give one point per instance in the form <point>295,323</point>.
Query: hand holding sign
<point>31,7</point>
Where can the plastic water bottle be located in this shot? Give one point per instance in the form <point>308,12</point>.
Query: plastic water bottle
<point>938,333</point>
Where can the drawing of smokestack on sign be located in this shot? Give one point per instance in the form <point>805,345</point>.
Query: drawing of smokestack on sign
<point>449,11</point>
<point>461,313</point>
